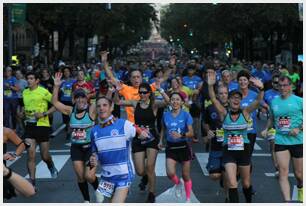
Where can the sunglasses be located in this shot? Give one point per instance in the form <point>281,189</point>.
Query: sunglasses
<point>275,82</point>
<point>283,85</point>
<point>143,92</point>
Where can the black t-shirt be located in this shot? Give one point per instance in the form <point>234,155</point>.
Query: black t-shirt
<point>212,118</point>
<point>48,84</point>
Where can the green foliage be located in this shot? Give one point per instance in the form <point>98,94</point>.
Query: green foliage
<point>125,24</point>
<point>219,23</point>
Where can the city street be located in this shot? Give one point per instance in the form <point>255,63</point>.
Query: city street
<point>65,190</point>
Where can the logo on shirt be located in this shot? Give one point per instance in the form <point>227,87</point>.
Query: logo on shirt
<point>114,132</point>
<point>173,124</point>
<point>213,115</point>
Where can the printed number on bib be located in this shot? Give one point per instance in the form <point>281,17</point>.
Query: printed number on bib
<point>250,124</point>
<point>67,92</point>
<point>30,116</point>
<point>8,93</point>
<point>220,135</point>
<point>78,134</point>
<point>235,142</point>
<point>106,188</point>
<point>284,124</point>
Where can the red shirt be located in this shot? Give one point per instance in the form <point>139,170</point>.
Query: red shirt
<point>87,86</point>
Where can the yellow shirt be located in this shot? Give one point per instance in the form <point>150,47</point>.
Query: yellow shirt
<point>36,101</point>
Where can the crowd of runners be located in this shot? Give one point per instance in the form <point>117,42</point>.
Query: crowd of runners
<point>170,105</point>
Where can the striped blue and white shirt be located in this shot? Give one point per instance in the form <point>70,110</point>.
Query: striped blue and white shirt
<point>112,144</point>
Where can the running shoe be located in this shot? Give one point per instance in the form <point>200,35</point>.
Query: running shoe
<point>188,201</point>
<point>99,197</point>
<point>151,198</point>
<point>178,189</point>
<point>143,183</point>
<point>54,172</point>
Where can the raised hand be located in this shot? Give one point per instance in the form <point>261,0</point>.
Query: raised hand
<point>172,60</point>
<point>257,83</point>
<point>211,78</point>
<point>103,55</point>
<point>57,79</point>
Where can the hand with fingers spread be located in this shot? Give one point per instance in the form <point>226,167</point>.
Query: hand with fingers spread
<point>173,60</point>
<point>57,79</point>
<point>103,55</point>
<point>257,83</point>
<point>211,78</point>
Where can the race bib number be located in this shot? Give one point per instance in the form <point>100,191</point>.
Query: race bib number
<point>78,134</point>
<point>235,142</point>
<point>67,92</point>
<point>271,132</point>
<point>220,135</point>
<point>149,139</point>
<point>250,124</point>
<point>30,116</point>
<point>106,188</point>
<point>284,124</point>
<point>8,93</point>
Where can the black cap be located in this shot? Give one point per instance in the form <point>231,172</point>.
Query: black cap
<point>79,93</point>
<point>233,92</point>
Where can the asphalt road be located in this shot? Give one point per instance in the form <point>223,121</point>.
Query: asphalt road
<point>64,188</point>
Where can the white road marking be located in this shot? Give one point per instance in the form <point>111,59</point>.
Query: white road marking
<point>9,163</point>
<point>160,167</point>
<point>68,144</point>
<point>294,193</point>
<point>169,196</point>
<point>257,147</point>
<point>271,174</point>
<point>42,170</point>
<point>261,154</point>
<point>58,130</point>
<point>203,159</point>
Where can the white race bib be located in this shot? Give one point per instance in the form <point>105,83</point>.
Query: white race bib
<point>106,188</point>
<point>235,142</point>
<point>284,124</point>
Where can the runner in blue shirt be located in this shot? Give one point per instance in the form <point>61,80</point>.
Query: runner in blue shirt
<point>268,97</point>
<point>192,81</point>
<point>272,93</point>
<point>248,97</point>
<point>10,98</point>
<point>177,128</point>
<point>111,142</point>
<point>66,95</point>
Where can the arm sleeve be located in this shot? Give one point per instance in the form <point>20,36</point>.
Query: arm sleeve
<point>129,129</point>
